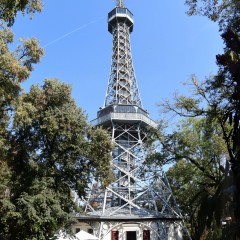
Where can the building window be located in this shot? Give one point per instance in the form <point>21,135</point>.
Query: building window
<point>146,234</point>
<point>77,230</point>
<point>115,235</point>
<point>131,235</point>
<point>90,231</point>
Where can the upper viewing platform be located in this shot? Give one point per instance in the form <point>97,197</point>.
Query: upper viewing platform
<point>120,14</point>
<point>124,114</point>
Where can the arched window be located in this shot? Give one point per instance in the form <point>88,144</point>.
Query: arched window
<point>115,235</point>
<point>146,234</point>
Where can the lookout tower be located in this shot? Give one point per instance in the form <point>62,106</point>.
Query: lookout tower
<point>139,203</point>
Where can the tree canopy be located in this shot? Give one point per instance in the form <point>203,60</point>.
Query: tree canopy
<point>53,153</point>
<point>217,100</point>
<point>48,151</point>
<point>199,175</point>
<point>15,67</point>
<point>221,11</point>
<point>10,8</point>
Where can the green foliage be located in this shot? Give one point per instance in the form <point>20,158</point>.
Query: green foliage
<point>221,11</point>
<point>15,67</point>
<point>48,151</point>
<point>10,8</point>
<point>199,176</point>
<point>53,152</point>
<point>217,100</point>
<point>39,212</point>
<point>224,90</point>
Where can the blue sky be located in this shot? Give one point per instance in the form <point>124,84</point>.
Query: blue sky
<point>167,47</point>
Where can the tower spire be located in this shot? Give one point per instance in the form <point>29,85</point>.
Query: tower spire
<point>120,3</point>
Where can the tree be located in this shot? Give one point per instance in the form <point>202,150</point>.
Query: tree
<point>221,11</point>
<point>10,8</point>
<point>15,67</point>
<point>218,100</point>
<point>223,89</point>
<point>48,152</point>
<point>54,152</point>
<point>196,200</point>
<point>198,176</point>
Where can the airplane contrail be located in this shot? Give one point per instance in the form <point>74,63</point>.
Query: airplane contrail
<point>73,31</point>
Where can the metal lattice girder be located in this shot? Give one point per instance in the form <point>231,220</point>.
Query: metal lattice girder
<point>122,85</point>
<point>135,186</point>
<point>139,193</point>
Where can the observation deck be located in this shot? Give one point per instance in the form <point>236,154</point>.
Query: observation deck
<point>124,114</point>
<point>119,14</point>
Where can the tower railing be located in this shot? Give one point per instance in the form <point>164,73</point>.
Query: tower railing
<point>131,117</point>
<point>128,113</point>
<point>120,11</point>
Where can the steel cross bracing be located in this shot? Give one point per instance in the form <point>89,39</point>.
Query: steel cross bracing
<point>122,85</point>
<point>136,188</point>
<point>140,192</point>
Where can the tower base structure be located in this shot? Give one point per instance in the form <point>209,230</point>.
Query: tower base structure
<point>139,203</point>
<point>131,228</point>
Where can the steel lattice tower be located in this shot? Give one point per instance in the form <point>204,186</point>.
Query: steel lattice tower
<point>140,194</point>
<point>122,85</point>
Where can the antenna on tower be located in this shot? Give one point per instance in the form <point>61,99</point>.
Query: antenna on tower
<point>120,3</point>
